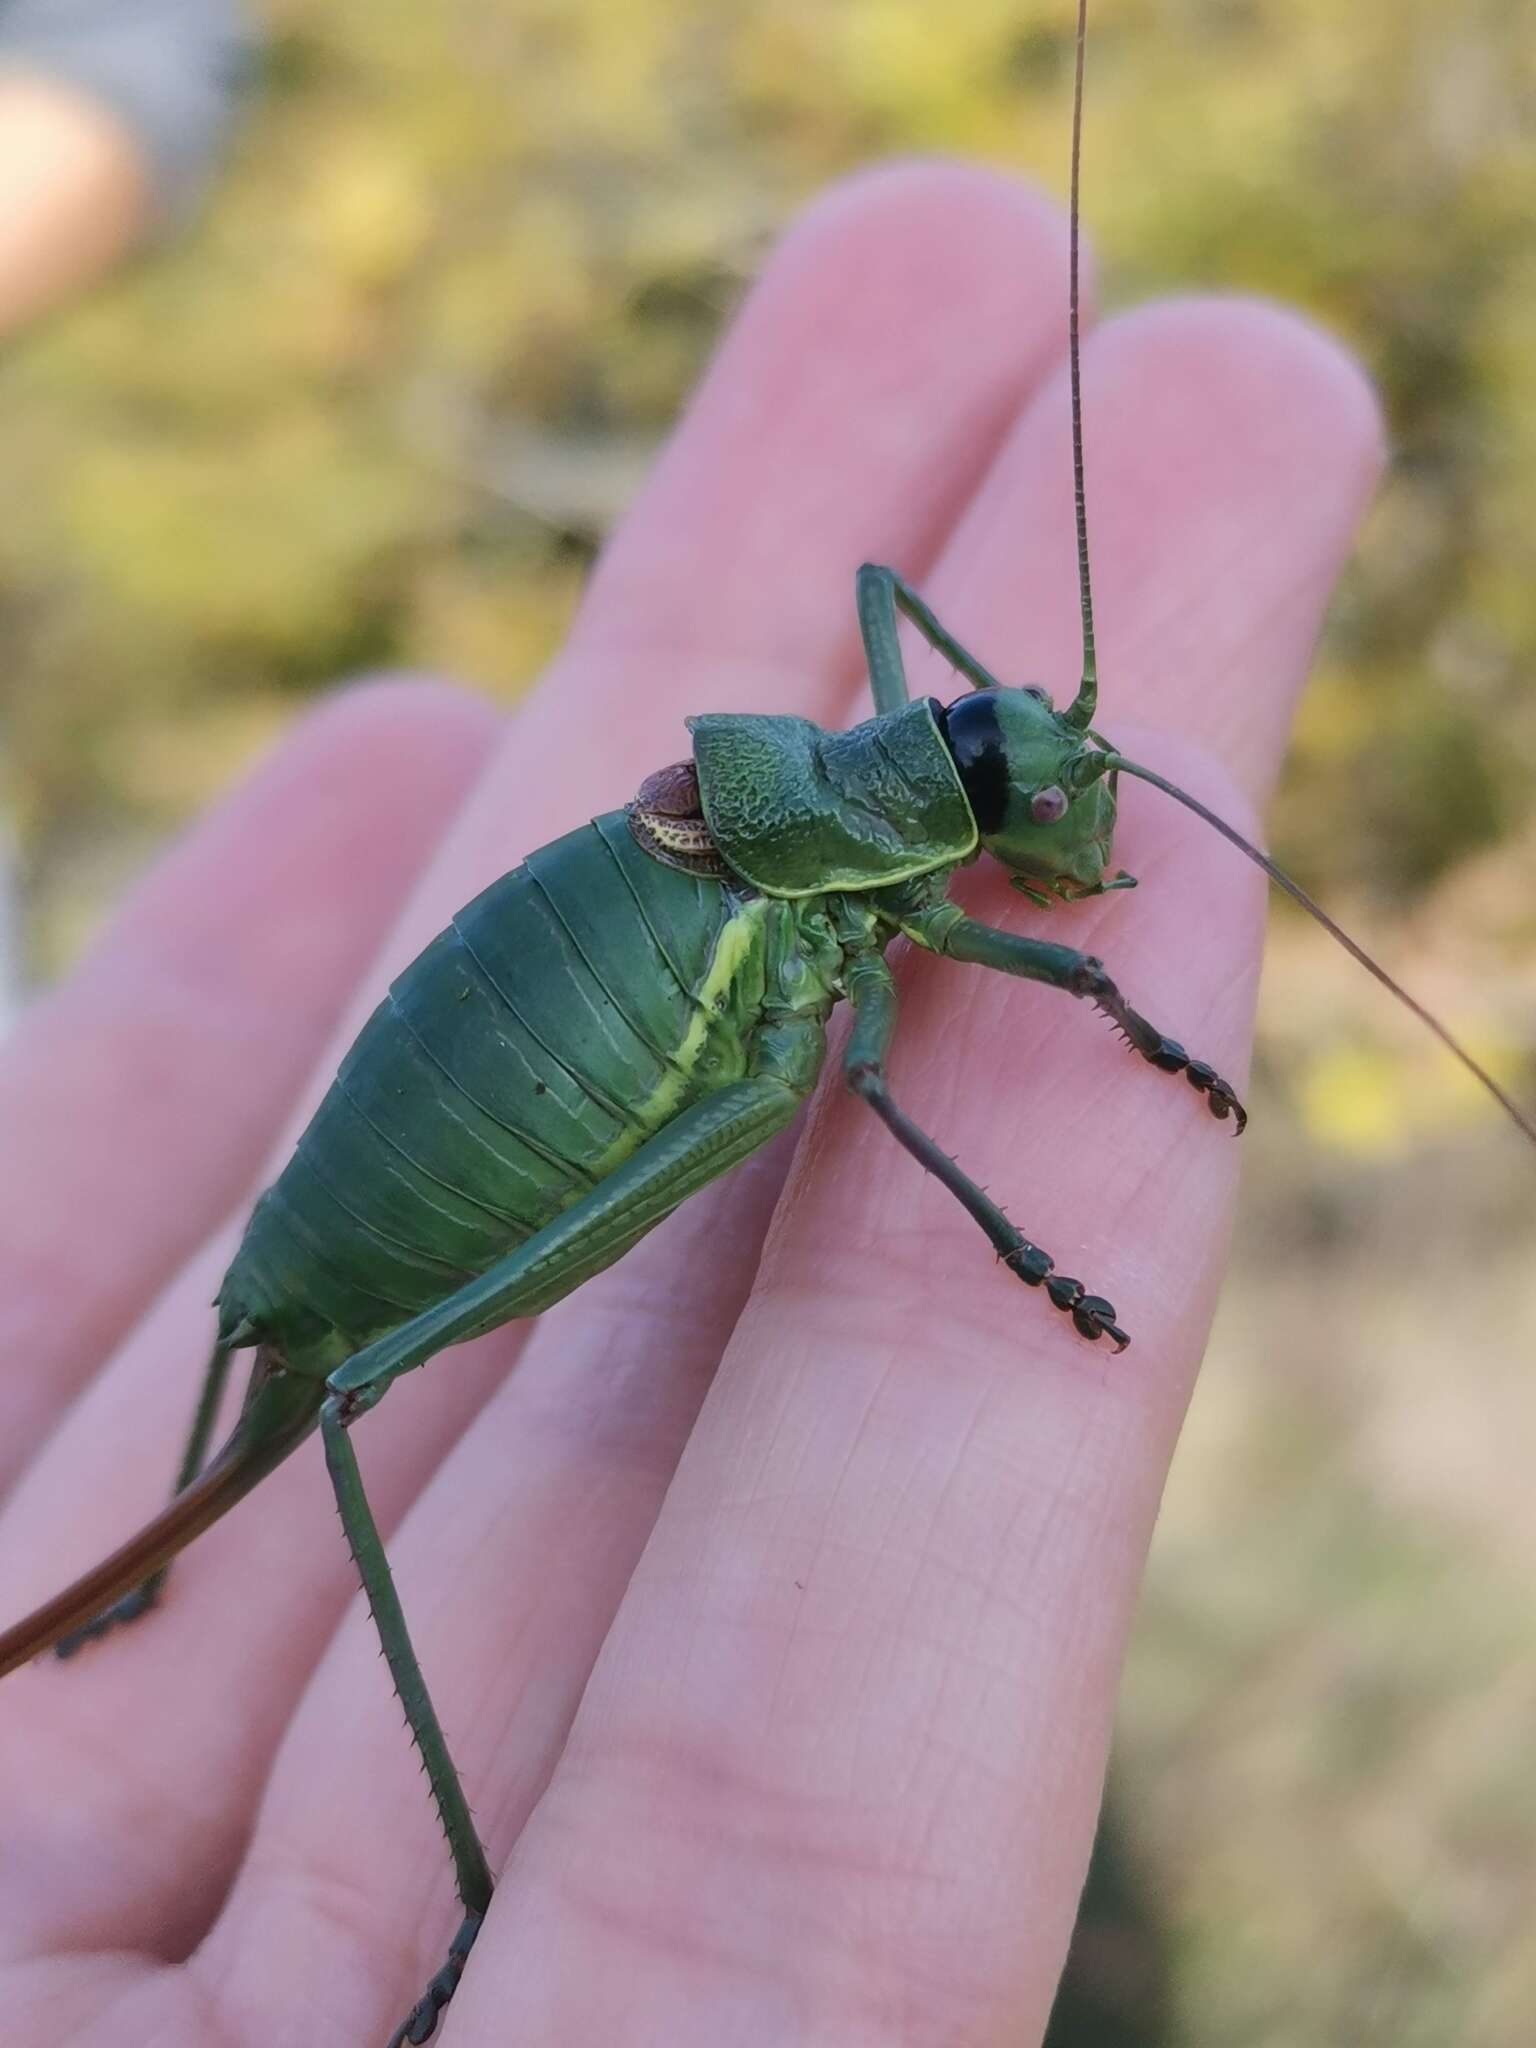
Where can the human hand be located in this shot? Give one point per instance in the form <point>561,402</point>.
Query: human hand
<point>774,1610</point>
<point>74,193</point>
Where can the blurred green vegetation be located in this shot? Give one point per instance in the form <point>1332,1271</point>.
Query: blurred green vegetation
<point>379,406</point>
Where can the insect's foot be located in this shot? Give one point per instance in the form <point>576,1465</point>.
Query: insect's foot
<point>1155,1047</point>
<point>420,2023</point>
<point>1169,1057</point>
<point>1095,1318</point>
<point>119,1614</point>
<point>1092,1316</point>
<point>1220,1096</point>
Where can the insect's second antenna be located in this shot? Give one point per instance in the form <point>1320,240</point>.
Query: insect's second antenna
<point>1080,712</point>
<point>1452,1044</point>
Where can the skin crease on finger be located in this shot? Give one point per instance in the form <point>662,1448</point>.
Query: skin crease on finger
<point>584,1826</point>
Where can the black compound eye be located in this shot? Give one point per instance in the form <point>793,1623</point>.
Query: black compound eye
<point>1037,691</point>
<point>1047,805</point>
<point>975,738</point>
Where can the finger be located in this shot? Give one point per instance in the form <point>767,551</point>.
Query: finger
<point>1218,511</point>
<point>842,1751</point>
<point>850,425</point>
<point>595,717</point>
<point>143,1093</point>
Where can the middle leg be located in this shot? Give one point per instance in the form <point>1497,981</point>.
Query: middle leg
<point>872,994</point>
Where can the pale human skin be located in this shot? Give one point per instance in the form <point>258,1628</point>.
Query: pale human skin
<point>74,193</point>
<point>775,1609</point>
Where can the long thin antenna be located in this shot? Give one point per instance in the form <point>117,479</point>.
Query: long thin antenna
<point>1299,895</point>
<point>1080,712</point>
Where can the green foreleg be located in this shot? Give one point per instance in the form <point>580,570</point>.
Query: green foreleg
<point>872,993</point>
<point>144,1596</point>
<point>471,1871</point>
<point>946,929</point>
<point>881,593</point>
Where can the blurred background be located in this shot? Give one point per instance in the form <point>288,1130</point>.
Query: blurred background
<point>374,397</point>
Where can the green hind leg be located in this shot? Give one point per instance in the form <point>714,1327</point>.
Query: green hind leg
<point>880,594</point>
<point>144,1595</point>
<point>872,993</point>
<point>471,1871</point>
<point>694,1149</point>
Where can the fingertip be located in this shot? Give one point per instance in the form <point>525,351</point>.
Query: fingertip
<point>1260,378</point>
<point>1230,448</point>
<point>890,338</point>
<point>1268,442</point>
<point>381,759</point>
<point>921,217</point>
<point>375,721</point>
<point>282,888</point>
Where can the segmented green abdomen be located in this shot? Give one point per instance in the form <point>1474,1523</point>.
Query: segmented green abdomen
<point>563,1016</point>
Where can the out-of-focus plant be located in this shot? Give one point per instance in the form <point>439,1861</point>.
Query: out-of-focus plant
<point>380,407</point>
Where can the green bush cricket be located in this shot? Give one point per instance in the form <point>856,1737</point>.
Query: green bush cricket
<point>609,1028</point>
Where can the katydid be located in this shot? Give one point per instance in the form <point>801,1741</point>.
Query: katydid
<point>612,1026</point>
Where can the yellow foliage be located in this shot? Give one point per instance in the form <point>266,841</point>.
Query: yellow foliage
<point>366,212</point>
<point>1351,1099</point>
